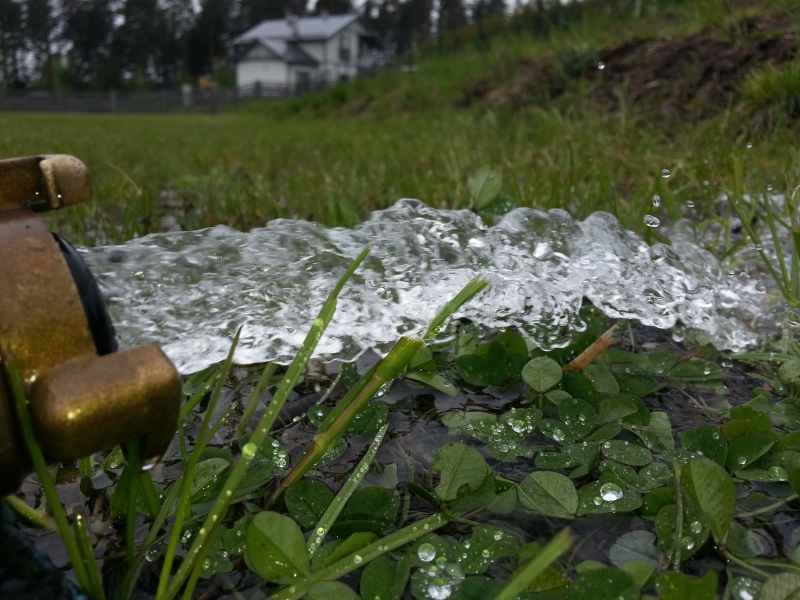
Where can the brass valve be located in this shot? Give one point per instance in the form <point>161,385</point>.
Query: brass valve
<point>83,394</point>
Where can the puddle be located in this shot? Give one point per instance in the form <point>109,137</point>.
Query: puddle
<point>190,291</point>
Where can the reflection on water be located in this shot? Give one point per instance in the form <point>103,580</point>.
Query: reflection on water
<point>190,291</point>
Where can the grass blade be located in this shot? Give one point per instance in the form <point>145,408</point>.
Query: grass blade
<point>332,512</point>
<point>29,514</point>
<point>252,404</point>
<point>528,574</point>
<point>476,285</point>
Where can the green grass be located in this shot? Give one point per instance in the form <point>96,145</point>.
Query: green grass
<point>243,170</point>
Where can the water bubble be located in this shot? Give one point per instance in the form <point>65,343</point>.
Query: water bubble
<point>741,460</point>
<point>498,535</point>
<point>665,173</point>
<point>656,200</point>
<point>320,531</point>
<point>652,221</point>
<point>777,473</point>
<point>357,559</point>
<point>485,553</point>
<point>601,65</point>
<point>689,204</point>
<point>715,435</point>
<point>598,501</point>
<point>558,435</point>
<point>696,527</point>
<point>610,492</point>
<point>426,552</point>
<point>793,319</point>
<point>688,542</point>
<point>727,363</point>
<point>439,592</point>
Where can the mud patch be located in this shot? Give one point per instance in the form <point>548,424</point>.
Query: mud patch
<point>677,76</point>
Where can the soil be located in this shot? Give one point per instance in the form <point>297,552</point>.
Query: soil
<point>681,76</point>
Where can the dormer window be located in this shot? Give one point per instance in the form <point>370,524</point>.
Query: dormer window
<point>344,48</point>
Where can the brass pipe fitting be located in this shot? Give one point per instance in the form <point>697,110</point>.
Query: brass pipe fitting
<point>83,395</point>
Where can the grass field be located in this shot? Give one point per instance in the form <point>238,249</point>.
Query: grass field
<point>325,157</point>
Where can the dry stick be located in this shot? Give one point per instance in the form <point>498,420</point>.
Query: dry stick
<point>585,358</point>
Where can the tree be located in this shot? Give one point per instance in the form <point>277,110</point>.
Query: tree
<point>38,28</point>
<point>88,30</point>
<point>11,42</point>
<point>333,7</point>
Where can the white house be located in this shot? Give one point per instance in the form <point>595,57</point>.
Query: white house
<point>299,52</point>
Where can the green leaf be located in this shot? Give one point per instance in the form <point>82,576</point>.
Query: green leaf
<point>459,466</point>
<point>375,504</point>
<point>783,586</point>
<point>637,545</point>
<point>714,492</point>
<point>605,432</point>
<point>790,371</point>
<point>233,538</point>
<point>331,590</point>
<point>557,431</point>
<point>642,572</point>
<point>478,588</point>
<point>206,473</point>
<point>385,579</point>
<point>706,440</point>
<point>603,584</point>
<point>508,452</point>
<point>744,542</point>
<point>541,374</point>
<point>615,408</point>
<point>435,380</point>
<point>601,497</point>
<point>500,206</point>
<point>369,420</point>
<point>307,501</point>
<point>504,501</point>
<point>549,493</point>
<point>486,545</point>
<point>626,453</point>
<point>696,370</point>
<point>578,415</point>
<point>656,500</point>
<point>354,542</point>
<point>602,379</point>
<point>694,532</point>
<point>275,548</point>
<point>748,448</point>
<point>677,586</point>
<point>484,186</point>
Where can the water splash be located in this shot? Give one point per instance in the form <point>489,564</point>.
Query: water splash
<point>190,291</point>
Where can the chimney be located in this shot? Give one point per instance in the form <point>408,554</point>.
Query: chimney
<point>291,21</point>
<point>324,14</point>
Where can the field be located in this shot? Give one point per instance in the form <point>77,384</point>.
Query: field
<point>335,157</point>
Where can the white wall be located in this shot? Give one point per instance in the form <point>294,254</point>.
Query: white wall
<point>265,71</point>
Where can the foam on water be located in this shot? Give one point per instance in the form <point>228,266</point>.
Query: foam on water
<point>190,291</point>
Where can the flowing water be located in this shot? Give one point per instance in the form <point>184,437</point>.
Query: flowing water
<point>190,291</point>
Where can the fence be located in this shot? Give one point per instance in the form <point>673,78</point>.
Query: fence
<point>184,99</point>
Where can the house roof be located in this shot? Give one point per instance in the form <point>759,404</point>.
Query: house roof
<point>286,51</point>
<point>298,29</point>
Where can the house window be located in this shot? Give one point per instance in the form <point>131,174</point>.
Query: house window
<point>344,48</point>
<point>303,79</point>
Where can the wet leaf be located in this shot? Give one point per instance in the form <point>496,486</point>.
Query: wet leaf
<point>275,548</point>
<point>758,420</point>
<point>744,542</point>
<point>790,371</point>
<point>607,497</point>
<point>430,547</point>
<point>206,472</point>
<point>508,452</point>
<point>603,584</point>
<point>485,546</point>
<point>602,379</point>
<point>694,532</point>
<point>549,493</point>
<point>385,579</point>
<point>677,586</point>
<point>578,415</point>
<point>460,421</point>
<point>637,545</point>
<point>783,586</point>
<point>642,572</point>
<point>331,590</point>
<point>233,538</point>
<point>371,504</point>
<point>615,408</point>
<point>656,500</point>
<point>354,542</point>
<point>748,448</point>
<point>696,370</point>
<point>714,492</point>
<point>484,186</point>
<point>626,453</point>
<point>541,374</point>
<point>572,455</point>
<point>435,380</point>
<point>504,501</point>
<point>459,466</point>
<point>478,588</point>
<point>557,431</point>
<point>369,420</point>
<point>706,440</point>
<point>605,432</point>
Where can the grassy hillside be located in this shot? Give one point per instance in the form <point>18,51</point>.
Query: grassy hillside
<point>667,116</point>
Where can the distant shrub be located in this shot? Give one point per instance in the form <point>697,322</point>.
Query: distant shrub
<point>578,61</point>
<point>773,93</point>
